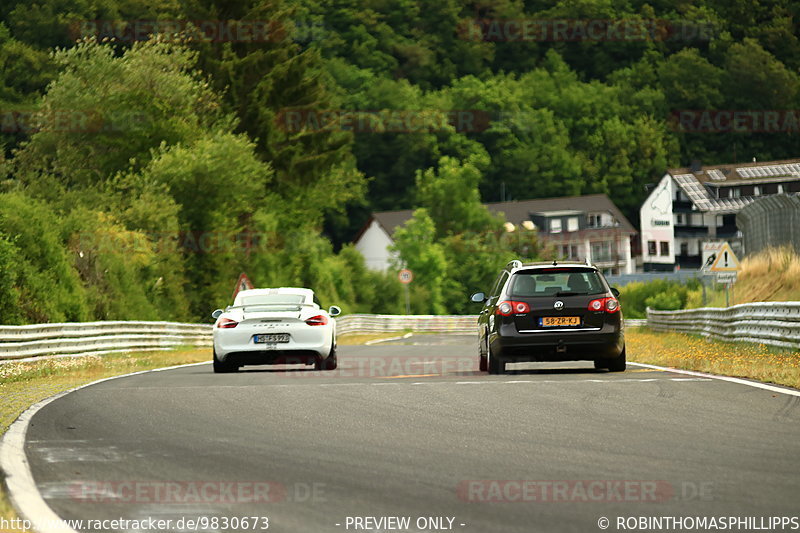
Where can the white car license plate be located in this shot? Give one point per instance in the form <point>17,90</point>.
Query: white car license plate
<point>271,338</point>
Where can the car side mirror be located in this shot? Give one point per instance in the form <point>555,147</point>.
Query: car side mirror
<point>334,311</point>
<point>216,313</point>
<point>478,297</point>
<point>615,292</point>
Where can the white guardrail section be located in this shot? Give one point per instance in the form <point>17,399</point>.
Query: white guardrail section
<point>774,323</point>
<point>73,338</point>
<point>84,338</point>
<point>455,324</point>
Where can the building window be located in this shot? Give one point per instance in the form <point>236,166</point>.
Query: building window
<point>595,220</point>
<point>756,191</point>
<point>555,225</point>
<point>679,220</point>
<point>664,248</point>
<point>684,248</point>
<point>602,251</point>
<point>735,192</point>
<point>780,188</point>
<point>572,224</point>
<point>651,247</point>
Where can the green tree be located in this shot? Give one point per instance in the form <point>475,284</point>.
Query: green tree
<point>450,195</point>
<point>416,248</point>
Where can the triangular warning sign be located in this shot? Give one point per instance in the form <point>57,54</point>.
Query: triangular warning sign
<point>242,284</point>
<point>726,260</point>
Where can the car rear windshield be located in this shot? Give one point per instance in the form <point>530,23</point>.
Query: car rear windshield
<point>556,282</point>
<point>273,299</point>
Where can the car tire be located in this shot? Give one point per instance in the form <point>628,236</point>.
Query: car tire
<point>331,362</point>
<point>483,364</point>
<point>223,368</point>
<point>617,364</point>
<point>495,365</point>
<point>600,364</point>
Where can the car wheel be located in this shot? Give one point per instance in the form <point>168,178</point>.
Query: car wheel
<point>495,365</point>
<point>223,368</point>
<point>483,364</point>
<point>331,362</point>
<point>617,364</point>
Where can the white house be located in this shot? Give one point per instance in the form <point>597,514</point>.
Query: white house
<point>690,206</point>
<point>579,227</point>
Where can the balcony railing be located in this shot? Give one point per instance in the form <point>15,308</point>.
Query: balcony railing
<point>681,206</point>
<point>728,230</point>
<point>690,231</point>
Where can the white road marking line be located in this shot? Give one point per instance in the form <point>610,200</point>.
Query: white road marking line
<point>21,487</point>
<point>738,381</point>
<point>376,341</point>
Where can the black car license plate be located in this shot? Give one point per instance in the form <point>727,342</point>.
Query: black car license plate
<point>271,337</point>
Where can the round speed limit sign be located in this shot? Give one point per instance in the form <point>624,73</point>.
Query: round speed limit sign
<point>405,276</point>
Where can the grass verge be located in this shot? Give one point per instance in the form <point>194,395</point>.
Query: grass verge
<point>694,352</point>
<point>351,339</point>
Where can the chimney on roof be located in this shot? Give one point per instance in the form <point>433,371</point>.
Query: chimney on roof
<point>697,166</point>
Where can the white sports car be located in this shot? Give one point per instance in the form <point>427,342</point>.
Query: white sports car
<point>275,326</point>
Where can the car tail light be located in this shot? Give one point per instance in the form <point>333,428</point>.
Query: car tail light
<point>227,323</point>
<point>609,305</point>
<point>509,307</point>
<point>319,320</point>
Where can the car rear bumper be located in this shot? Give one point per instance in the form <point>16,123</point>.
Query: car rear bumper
<point>319,347</point>
<point>272,357</point>
<point>558,345</point>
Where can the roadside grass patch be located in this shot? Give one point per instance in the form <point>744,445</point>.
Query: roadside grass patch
<point>761,362</point>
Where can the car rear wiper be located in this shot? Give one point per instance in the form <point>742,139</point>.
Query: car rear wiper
<point>569,293</point>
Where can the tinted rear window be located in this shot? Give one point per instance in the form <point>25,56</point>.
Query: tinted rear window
<point>273,299</point>
<point>556,282</point>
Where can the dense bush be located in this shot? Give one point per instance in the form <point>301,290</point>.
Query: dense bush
<point>657,294</point>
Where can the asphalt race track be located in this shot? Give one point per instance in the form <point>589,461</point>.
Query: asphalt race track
<point>412,429</point>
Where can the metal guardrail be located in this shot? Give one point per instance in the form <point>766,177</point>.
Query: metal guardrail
<point>773,323</point>
<point>17,342</point>
<point>454,324</point>
<point>86,338</point>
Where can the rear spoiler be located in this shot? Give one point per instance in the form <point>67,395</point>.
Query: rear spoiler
<point>283,306</point>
